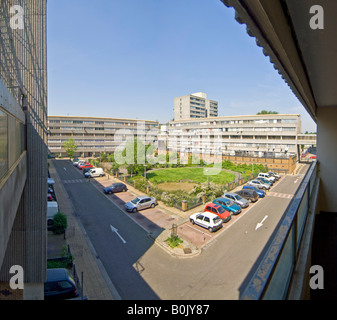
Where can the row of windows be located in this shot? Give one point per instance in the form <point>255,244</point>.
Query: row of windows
<point>12,141</point>
<point>221,122</point>
<point>97,122</point>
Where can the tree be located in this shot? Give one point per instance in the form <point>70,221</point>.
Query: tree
<point>267,112</point>
<point>70,147</point>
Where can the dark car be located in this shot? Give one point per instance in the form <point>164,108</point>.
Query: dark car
<point>259,192</point>
<point>115,187</point>
<point>248,194</point>
<point>59,285</point>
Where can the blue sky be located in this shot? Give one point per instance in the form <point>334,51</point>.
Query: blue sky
<point>130,58</point>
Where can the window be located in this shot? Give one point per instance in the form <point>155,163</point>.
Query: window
<point>206,219</point>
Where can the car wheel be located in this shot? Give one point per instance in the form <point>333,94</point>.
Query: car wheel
<point>125,190</point>
<point>110,192</point>
<point>153,205</point>
<point>134,210</point>
<point>210,229</point>
<point>192,221</point>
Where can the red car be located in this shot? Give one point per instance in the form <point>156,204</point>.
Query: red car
<point>85,165</point>
<point>220,211</point>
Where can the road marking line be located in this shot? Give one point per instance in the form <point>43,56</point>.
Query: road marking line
<point>116,231</point>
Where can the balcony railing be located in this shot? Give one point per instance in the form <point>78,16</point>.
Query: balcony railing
<point>271,280</point>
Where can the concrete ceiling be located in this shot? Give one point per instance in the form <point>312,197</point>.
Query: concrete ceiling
<point>306,58</point>
<point>318,47</point>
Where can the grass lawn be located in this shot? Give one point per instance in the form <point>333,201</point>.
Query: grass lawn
<point>193,174</point>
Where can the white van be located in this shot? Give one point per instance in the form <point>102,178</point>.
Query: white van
<point>52,209</point>
<point>266,176</point>
<point>95,172</point>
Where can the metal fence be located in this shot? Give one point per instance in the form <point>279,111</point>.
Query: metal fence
<point>79,282</point>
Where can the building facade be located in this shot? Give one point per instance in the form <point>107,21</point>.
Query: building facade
<point>94,135</point>
<point>249,137</point>
<point>195,105</point>
<point>23,150</point>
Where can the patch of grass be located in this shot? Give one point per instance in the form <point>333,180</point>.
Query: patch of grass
<point>174,241</point>
<point>197,175</point>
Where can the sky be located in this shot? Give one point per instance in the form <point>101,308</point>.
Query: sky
<point>131,58</point>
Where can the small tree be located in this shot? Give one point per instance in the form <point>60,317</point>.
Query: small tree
<point>70,147</point>
<point>60,223</point>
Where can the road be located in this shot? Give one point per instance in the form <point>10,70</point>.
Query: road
<point>140,269</point>
<point>97,214</point>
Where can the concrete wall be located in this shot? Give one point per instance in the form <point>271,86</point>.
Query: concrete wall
<point>327,157</point>
<point>23,69</point>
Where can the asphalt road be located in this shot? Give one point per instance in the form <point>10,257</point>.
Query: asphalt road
<point>141,270</point>
<point>219,272</point>
<point>117,252</point>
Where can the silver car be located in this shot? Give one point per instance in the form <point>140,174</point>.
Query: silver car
<point>140,203</point>
<point>237,199</point>
<point>259,184</point>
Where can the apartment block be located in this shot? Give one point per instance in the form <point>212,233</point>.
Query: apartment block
<point>94,135</point>
<point>195,105</point>
<point>23,149</point>
<point>274,136</point>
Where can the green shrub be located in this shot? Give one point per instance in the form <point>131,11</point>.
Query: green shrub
<point>60,223</point>
<point>173,241</point>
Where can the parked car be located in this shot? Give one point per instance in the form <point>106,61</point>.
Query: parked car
<point>259,184</point>
<point>85,170</point>
<point>206,220</point>
<point>77,162</point>
<point>248,194</point>
<point>115,187</point>
<point>94,172</point>
<point>275,175</point>
<point>266,176</point>
<point>259,192</point>
<point>52,210</point>
<point>85,165</point>
<point>237,199</point>
<point>140,203</point>
<point>228,205</point>
<point>59,285</point>
<point>264,180</point>
<point>220,211</point>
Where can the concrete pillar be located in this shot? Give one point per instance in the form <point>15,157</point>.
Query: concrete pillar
<point>184,205</point>
<point>327,157</point>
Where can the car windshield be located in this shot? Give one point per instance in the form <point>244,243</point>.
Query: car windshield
<point>221,210</point>
<point>135,201</point>
<point>230,203</point>
<point>112,186</point>
<point>216,220</point>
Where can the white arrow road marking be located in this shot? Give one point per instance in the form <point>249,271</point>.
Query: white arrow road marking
<point>296,181</point>
<point>64,169</point>
<point>116,231</point>
<point>260,224</point>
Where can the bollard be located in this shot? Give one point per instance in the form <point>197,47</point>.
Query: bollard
<point>184,205</point>
<point>124,178</point>
<point>203,198</point>
<point>147,189</point>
